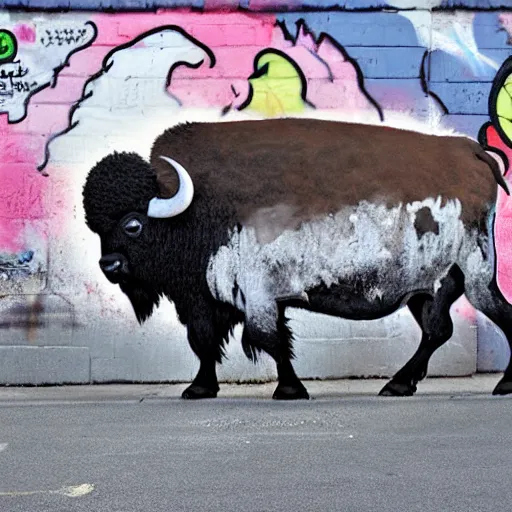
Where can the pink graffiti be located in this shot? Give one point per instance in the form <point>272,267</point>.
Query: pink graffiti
<point>23,188</point>
<point>25,33</point>
<point>503,225</point>
<point>506,23</point>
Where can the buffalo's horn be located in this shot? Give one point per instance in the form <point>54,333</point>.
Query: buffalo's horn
<point>165,208</point>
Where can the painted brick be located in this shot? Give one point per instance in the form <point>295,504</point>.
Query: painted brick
<point>13,3</point>
<point>387,62</point>
<point>327,94</point>
<point>10,236</point>
<point>49,4</point>
<point>86,62</point>
<point>463,98</point>
<point>67,90</point>
<point>445,67</point>
<point>221,4</point>
<point>208,92</point>
<point>166,4</point>
<point>223,35</point>
<point>12,192</point>
<point>35,185</point>
<point>488,30</point>
<point>274,5</point>
<point>44,365</point>
<point>23,148</point>
<point>467,124</point>
<point>232,62</point>
<point>21,194</point>
<point>358,29</point>
<point>476,4</point>
<point>8,129</point>
<point>47,118</point>
<point>404,96</point>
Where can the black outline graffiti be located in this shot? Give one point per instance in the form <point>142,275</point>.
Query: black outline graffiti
<point>264,70</point>
<point>499,80</point>
<point>323,36</point>
<point>56,71</point>
<point>503,73</point>
<point>482,139</point>
<point>105,67</point>
<point>424,83</point>
<point>5,60</point>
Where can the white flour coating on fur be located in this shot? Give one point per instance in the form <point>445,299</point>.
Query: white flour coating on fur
<point>371,245</point>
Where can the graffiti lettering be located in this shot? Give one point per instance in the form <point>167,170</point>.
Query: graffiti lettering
<point>17,72</point>
<point>12,84</point>
<point>63,36</point>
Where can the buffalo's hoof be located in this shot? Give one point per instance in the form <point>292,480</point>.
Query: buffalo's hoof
<point>194,392</point>
<point>290,393</point>
<point>504,387</point>
<point>393,388</point>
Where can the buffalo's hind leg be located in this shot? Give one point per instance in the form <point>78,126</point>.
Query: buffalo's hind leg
<point>433,316</point>
<point>278,344</point>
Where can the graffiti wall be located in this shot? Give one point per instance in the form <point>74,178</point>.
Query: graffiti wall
<point>76,86</point>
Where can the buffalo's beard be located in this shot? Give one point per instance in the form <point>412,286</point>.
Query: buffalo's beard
<point>143,299</point>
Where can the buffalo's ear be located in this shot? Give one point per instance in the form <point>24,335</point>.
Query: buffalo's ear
<point>143,300</point>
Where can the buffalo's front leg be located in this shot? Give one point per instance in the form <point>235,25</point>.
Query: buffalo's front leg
<point>205,384</point>
<point>208,329</point>
<point>278,344</point>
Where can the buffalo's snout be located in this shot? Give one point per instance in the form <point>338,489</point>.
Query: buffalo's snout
<point>114,266</point>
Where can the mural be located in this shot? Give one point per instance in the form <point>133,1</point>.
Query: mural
<point>34,63</point>
<point>74,87</point>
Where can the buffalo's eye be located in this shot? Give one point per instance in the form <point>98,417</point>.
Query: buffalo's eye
<point>133,227</point>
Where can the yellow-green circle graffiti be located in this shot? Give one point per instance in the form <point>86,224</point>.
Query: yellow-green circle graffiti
<point>278,85</point>
<point>8,46</point>
<point>504,107</point>
<point>500,102</point>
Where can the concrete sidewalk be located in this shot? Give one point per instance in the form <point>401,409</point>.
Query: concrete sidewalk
<point>477,384</point>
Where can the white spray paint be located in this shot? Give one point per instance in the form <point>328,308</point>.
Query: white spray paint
<point>73,491</point>
<point>451,33</point>
<point>365,240</point>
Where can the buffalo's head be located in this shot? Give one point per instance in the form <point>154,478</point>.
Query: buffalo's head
<point>122,205</point>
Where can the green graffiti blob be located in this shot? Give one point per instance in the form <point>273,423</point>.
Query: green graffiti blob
<point>8,46</point>
<point>277,86</point>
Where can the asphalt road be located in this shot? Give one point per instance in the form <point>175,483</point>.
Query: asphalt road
<point>450,452</point>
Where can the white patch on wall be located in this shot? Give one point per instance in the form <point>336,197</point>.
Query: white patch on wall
<point>131,90</point>
<point>450,32</point>
<point>33,61</point>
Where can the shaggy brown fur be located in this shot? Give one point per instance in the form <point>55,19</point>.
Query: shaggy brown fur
<point>316,167</point>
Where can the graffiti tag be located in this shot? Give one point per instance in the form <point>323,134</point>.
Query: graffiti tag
<point>64,36</point>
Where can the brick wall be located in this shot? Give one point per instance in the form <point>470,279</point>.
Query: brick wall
<point>80,79</point>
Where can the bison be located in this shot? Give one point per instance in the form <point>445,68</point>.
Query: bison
<point>236,221</point>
